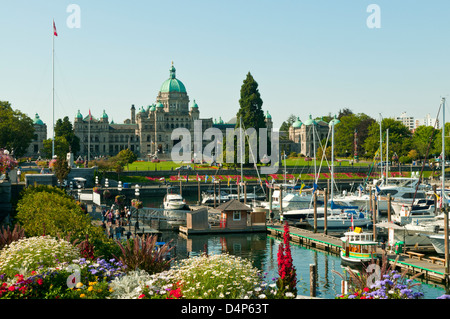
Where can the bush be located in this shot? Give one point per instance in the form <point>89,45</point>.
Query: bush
<point>209,277</point>
<point>31,254</point>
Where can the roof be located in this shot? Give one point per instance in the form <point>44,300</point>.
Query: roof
<point>173,84</point>
<point>233,204</point>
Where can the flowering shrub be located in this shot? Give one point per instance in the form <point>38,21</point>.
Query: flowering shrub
<point>287,281</point>
<point>208,277</point>
<point>27,254</point>
<point>136,203</point>
<point>392,285</point>
<point>7,162</point>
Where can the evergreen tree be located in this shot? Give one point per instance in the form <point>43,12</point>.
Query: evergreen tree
<point>250,115</point>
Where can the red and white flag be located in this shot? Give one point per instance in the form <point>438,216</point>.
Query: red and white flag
<point>54,29</point>
<point>90,116</point>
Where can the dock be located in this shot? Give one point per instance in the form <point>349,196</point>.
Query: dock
<point>431,267</point>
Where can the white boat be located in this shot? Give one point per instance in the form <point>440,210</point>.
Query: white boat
<point>343,220</point>
<point>358,247</point>
<point>409,214</point>
<point>438,242</point>
<point>174,201</point>
<point>208,197</point>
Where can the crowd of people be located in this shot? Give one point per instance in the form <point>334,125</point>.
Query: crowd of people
<point>113,221</point>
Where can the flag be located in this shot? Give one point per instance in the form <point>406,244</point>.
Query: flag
<point>229,179</point>
<point>268,185</point>
<point>198,178</point>
<point>213,179</point>
<point>162,178</point>
<point>301,187</point>
<point>377,191</point>
<point>206,178</point>
<point>314,187</point>
<point>54,29</point>
<point>90,115</point>
<point>352,222</point>
<point>237,180</point>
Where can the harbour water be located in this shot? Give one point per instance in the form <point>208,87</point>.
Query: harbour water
<point>262,250</point>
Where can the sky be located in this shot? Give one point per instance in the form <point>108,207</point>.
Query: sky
<point>309,57</point>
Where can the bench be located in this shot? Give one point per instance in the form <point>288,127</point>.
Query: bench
<point>434,259</point>
<point>413,253</point>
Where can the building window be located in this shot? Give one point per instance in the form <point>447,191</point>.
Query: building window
<point>237,215</point>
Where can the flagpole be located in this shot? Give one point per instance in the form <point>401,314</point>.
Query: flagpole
<point>53,88</point>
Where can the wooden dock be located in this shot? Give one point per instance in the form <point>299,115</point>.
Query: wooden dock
<point>432,268</point>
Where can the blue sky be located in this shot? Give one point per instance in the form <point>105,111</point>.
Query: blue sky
<point>308,57</point>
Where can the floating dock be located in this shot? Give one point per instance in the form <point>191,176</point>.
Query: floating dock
<point>431,267</point>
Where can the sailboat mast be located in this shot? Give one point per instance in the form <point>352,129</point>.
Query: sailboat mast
<point>381,149</point>
<point>53,88</point>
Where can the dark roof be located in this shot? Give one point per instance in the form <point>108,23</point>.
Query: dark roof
<point>233,204</point>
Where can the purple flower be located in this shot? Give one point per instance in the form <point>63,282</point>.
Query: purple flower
<point>444,297</point>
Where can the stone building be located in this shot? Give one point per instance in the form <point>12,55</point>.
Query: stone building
<point>36,147</point>
<point>302,133</point>
<point>148,131</point>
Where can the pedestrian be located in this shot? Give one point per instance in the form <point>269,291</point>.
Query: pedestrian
<point>118,233</point>
<point>110,218</point>
<point>117,216</point>
<point>128,216</point>
<point>111,232</point>
<point>383,245</point>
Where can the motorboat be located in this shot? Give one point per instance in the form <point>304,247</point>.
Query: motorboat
<point>408,214</point>
<point>438,242</point>
<point>343,220</point>
<point>208,197</point>
<point>358,247</point>
<point>174,201</point>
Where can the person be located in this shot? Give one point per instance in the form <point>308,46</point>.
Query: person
<point>128,216</point>
<point>117,216</point>
<point>118,232</point>
<point>383,245</point>
<point>110,218</point>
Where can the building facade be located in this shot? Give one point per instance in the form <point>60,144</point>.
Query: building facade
<point>36,147</point>
<point>308,134</point>
<point>148,131</point>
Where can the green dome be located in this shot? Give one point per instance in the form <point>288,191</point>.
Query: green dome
<point>194,105</point>
<point>142,110</point>
<point>297,124</point>
<point>105,116</point>
<point>79,116</point>
<point>159,105</point>
<point>172,84</point>
<point>152,108</point>
<point>268,116</point>
<point>37,120</point>
<point>335,121</point>
<point>310,121</point>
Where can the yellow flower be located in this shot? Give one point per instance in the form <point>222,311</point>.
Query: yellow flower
<point>111,290</point>
<point>90,288</point>
<point>82,295</point>
<point>92,283</point>
<point>79,284</point>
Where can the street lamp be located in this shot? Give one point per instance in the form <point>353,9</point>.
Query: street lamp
<point>106,183</point>
<point>136,193</point>
<point>119,187</point>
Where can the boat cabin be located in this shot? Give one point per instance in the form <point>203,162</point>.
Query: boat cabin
<point>358,246</point>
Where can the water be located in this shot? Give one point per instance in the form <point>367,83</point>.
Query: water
<point>262,250</point>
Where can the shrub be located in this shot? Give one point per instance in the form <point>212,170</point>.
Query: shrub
<point>31,254</point>
<point>7,236</point>
<point>209,277</point>
<point>142,253</point>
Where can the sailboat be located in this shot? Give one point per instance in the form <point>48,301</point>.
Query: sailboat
<point>337,216</point>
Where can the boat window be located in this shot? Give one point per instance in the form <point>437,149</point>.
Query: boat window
<point>385,192</point>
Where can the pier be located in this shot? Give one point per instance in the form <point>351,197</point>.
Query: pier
<point>431,267</point>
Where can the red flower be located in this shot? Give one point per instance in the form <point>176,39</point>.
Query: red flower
<point>141,296</point>
<point>11,288</point>
<point>40,281</point>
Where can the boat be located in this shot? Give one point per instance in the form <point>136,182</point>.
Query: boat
<point>358,247</point>
<point>208,197</point>
<point>343,220</point>
<point>174,201</point>
<point>438,242</point>
<point>409,214</point>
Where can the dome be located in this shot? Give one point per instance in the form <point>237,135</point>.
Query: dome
<point>335,121</point>
<point>310,121</point>
<point>194,105</point>
<point>268,116</point>
<point>79,116</point>
<point>172,84</point>
<point>105,116</point>
<point>142,110</point>
<point>152,108</point>
<point>37,120</point>
<point>297,124</point>
<point>159,105</point>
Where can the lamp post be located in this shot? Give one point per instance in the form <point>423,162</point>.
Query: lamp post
<point>136,193</point>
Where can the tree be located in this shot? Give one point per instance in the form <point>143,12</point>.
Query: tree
<point>64,128</point>
<point>286,125</point>
<point>250,113</point>
<point>400,138</point>
<point>16,129</point>
<point>62,169</point>
<point>61,147</point>
<point>126,156</point>
<point>344,137</point>
<point>423,139</point>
